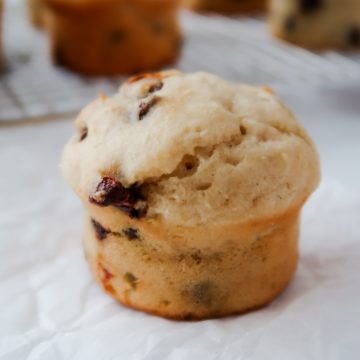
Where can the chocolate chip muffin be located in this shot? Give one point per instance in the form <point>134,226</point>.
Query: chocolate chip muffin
<point>35,10</point>
<point>226,6</point>
<point>192,189</point>
<point>317,24</point>
<point>112,37</point>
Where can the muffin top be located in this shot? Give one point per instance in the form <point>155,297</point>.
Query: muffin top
<point>191,149</point>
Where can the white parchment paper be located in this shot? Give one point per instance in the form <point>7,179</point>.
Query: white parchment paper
<point>50,308</point>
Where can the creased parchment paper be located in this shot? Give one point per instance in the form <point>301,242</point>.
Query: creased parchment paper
<point>50,308</point>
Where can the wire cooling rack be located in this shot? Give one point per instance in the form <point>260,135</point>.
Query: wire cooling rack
<point>239,49</point>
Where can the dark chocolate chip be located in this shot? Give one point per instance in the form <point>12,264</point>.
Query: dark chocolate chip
<point>145,106</point>
<point>196,256</point>
<point>131,279</point>
<point>310,6</point>
<point>201,293</point>
<point>117,36</point>
<point>131,233</point>
<point>135,211</point>
<point>158,28</point>
<point>290,24</point>
<point>100,231</point>
<point>83,133</point>
<point>189,166</point>
<point>111,192</point>
<point>353,36</point>
<point>243,130</point>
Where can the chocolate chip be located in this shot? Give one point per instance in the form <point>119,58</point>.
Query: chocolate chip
<point>131,233</point>
<point>353,36</point>
<point>117,36</point>
<point>83,133</point>
<point>158,28</point>
<point>136,210</point>
<point>196,256</point>
<point>243,130</point>
<point>290,24</point>
<point>111,192</point>
<point>310,6</point>
<point>131,279</point>
<point>108,192</point>
<point>100,231</point>
<point>201,293</point>
<point>145,106</point>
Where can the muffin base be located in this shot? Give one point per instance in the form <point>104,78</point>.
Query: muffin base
<point>173,281</point>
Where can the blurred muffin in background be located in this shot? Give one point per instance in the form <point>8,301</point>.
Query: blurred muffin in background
<point>317,24</point>
<point>104,37</point>
<point>226,6</point>
<point>35,10</point>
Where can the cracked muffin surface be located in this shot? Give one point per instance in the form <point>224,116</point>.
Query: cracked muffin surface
<point>192,189</point>
<point>197,149</point>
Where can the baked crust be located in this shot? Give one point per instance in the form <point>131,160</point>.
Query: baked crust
<point>165,277</point>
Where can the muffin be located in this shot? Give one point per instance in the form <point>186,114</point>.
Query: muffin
<point>192,189</point>
<point>35,10</point>
<point>317,24</point>
<point>225,6</point>
<point>113,37</point>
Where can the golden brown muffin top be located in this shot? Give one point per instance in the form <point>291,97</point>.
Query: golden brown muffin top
<point>198,149</point>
